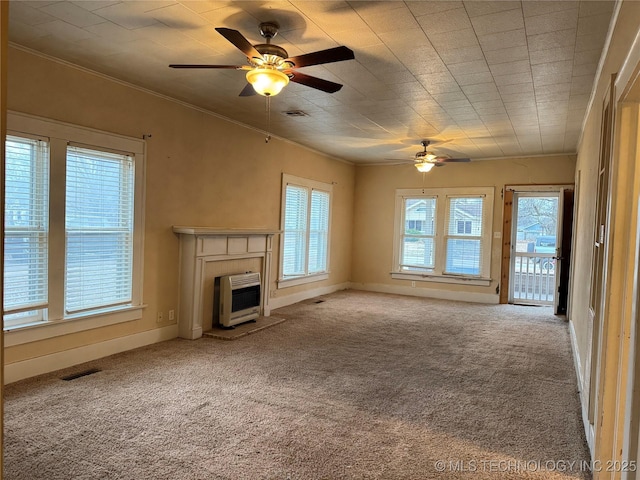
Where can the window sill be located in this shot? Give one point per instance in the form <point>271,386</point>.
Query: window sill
<point>20,335</point>
<point>438,278</point>
<point>292,282</point>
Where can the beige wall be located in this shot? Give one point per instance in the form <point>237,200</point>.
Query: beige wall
<point>375,203</point>
<point>612,357</point>
<point>625,30</point>
<point>201,171</point>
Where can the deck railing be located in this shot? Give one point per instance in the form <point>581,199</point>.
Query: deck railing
<point>534,278</point>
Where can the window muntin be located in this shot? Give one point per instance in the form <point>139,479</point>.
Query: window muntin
<point>443,233</point>
<point>306,213</point>
<point>98,229</point>
<point>26,230</point>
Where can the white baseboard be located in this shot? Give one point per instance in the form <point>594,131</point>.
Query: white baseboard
<point>429,292</point>
<point>576,357</point>
<point>584,396</point>
<point>284,300</point>
<point>68,358</point>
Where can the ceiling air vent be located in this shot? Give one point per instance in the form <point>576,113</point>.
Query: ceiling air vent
<point>295,113</point>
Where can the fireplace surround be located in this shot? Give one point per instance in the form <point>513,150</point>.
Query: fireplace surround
<point>207,253</point>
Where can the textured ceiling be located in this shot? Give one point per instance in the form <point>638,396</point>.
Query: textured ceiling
<point>483,79</point>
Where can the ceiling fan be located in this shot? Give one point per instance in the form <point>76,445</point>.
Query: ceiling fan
<point>424,161</point>
<point>270,68</point>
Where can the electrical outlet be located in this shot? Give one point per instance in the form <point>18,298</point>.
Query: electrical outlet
<point>172,315</point>
<point>160,317</point>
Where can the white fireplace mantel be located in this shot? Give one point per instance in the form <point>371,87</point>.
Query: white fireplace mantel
<point>200,245</point>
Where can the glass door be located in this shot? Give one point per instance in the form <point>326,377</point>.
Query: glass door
<point>535,248</point>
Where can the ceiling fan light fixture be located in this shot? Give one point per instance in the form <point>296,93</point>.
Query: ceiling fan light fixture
<point>424,167</point>
<point>267,81</point>
<point>425,157</point>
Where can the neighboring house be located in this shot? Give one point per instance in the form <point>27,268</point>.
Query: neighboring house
<point>466,219</point>
<point>530,232</point>
<point>417,218</point>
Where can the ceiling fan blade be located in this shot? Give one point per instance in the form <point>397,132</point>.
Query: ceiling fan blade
<point>232,67</point>
<point>330,55</point>
<point>452,160</point>
<point>238,40</point>
<point>398,161</point>
<point>247,91</point>
<point>313,82</point>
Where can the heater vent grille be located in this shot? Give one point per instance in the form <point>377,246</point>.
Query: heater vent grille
<point>244,280</point>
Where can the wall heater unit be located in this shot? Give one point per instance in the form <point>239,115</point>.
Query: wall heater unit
<point>239,298</point>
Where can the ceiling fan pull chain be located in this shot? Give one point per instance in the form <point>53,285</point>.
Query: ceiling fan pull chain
<point>268,137</point>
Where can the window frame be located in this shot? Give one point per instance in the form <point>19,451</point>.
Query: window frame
<point>126,162</point>
<point>310,186</point>
<point>464,236</point>
<point>404,235</point>
<point>37,314</point>
<point>61,134</point>
<point>438,272</point>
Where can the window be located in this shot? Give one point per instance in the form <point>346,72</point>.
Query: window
<point>73,221</point>
<point>463,246</point>
<point>443,235</point>
<point>99,229</point>
<point>26,230</point>
<point>418,236</point>
<point>414,224</point>
<point>306,210</point>
<point>464,226</point>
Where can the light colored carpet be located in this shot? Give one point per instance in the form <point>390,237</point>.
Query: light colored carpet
<point>361,386</point>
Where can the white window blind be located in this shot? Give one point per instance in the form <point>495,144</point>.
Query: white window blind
<point>295,231</point>
<point>99,229</point>
<point>318,231</point>
<point>464,245</point>
<point>306,214</point>
<point>418,235</point>
<point>26,229</point>
<point>443,235</point>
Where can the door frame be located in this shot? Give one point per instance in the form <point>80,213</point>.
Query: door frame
<point>507,227</point>
<point>622,392</point>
